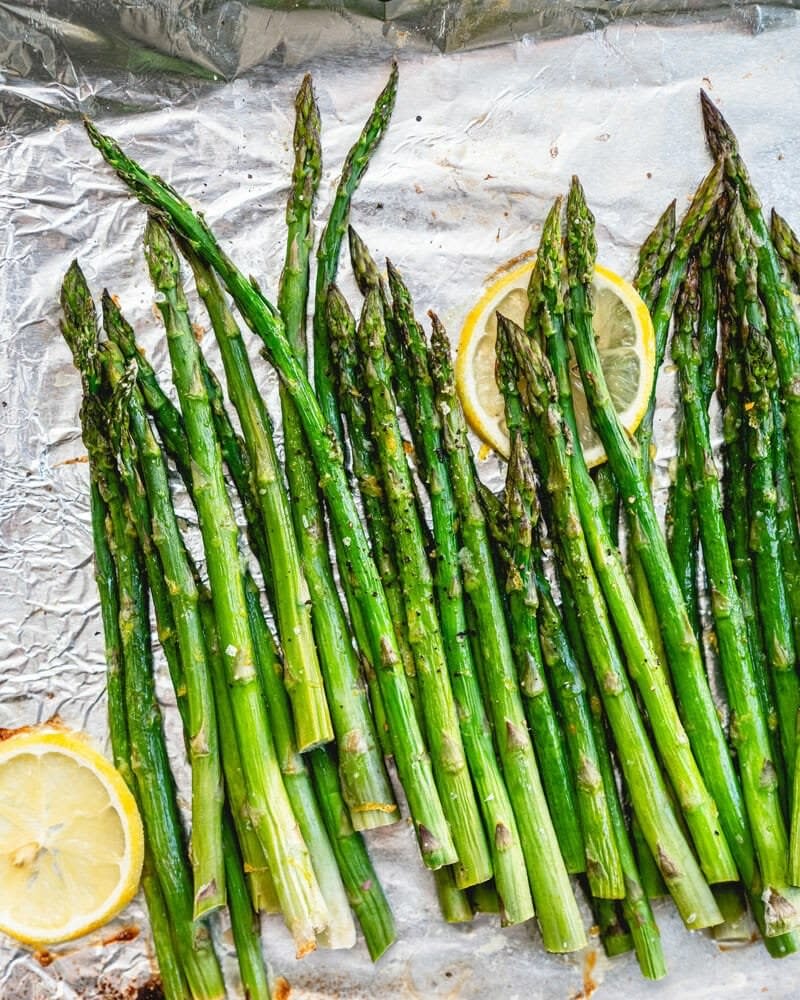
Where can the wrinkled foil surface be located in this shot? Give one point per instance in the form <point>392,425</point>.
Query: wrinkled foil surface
<point>499,104</point>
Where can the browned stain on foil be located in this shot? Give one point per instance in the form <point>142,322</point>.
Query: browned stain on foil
<point>150,990</point>
<point>44,958</point>
<point>590,984</point>
<point>283,990</point>
<point>509,265</point>
<point>129,933</point>
<point>54,722</point>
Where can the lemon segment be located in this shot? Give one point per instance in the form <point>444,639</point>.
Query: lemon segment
<point>625,340</point>
<point>71,839</point>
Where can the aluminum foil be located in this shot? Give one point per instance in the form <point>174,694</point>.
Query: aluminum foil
<point>482,139</point>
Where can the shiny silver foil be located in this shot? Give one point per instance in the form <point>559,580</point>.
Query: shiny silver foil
<point>499,104</point>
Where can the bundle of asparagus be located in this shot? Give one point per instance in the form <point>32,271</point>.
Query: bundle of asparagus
<point>546,716</point>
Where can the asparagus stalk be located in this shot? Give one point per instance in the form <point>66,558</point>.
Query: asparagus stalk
<point>556,908</point>
<point>648,792</point>
<point>734,491</point>
<point>787,245</point>
<point>412,760</point>
<point>244,924</point>
<point>344,357</point>
<point>582,711</point>
<point>301,903</point>
<point>292,599</point>
<point>614,932</point>
<point>172,978</point>
<point>454,903</point>
<point>134,715</point>
<point>424,633</point>
<point>368,278</point>
<point>603,867</point>
<point>546,314</point>
<point>365,783</point>
<point>602,860</point>
<point>783,324</point>
<point>330,243</point>
<point>765,549</point>
<point>340,932</point>
<point>683,535</point>
<point>749,732</point>
<point>609,500</point>
<point>635,907</point>
<point>155,521</point>
<point>561,791</point>
<point>263,894</point>
<point>364,890</point>
<point>654,257</point>
<point>655,254</point>
<point>773,604</point>
<point>508,862</point>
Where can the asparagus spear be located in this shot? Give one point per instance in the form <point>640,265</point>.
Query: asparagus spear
<point>556,908</point>
<point>749,732</point>
<point>365,783</point>
<point>292,600</point>
<point>655,254</point>
<point>635,906</point>
<point>454,903</point>
<point>133,707</point>
<point>424,633</point>
<point>734,491</point>
<point>654,257</point>
<point>582,711</point>
<point>340,932</point>
<point>368,278</point>
<point>773,605</point>
<point>602,860</point>
<point>683,537</point>
<point>244,924</point>
<point>783,324</point>
<point>173,981</point>
<point>155,521</point>
<point>290,865</point>
<point>330,243</point>
<point>412,760</point>
<point>561,789</point>
<point>364,890</point>
<point>344,358</point>
<point>614,933</point>
<point>263,893</point>
<point>787,245</point>
<point>603,867</point>
<point>508,861</point>
<point>648,792</point>
<point>546,315</point>
<point>609,500</point>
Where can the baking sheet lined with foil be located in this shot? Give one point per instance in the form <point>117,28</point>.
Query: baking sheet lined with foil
<point>481,142</point>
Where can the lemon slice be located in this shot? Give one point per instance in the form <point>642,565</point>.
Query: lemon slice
<point>71,840</point>
<point>624,333</point>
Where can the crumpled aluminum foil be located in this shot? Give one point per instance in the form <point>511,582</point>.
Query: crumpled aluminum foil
<point>482,139</point>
